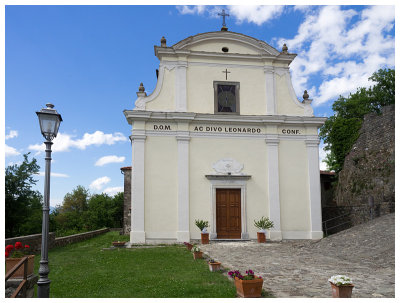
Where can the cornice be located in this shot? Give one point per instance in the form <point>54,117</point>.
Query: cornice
<point>265,51</point>
<point>142,115</point>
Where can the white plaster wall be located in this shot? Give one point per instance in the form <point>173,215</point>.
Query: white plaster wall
<point>161,187</point>
<point>200,88</point>
<point>284,101</point>
<point>294,197</point>
<point>216,47</point>
<point>204,152</point>
<point>165,101</point>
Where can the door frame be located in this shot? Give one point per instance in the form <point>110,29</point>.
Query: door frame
<point>238,182</point>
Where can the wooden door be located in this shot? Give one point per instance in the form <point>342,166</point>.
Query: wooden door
<point>228,213</point>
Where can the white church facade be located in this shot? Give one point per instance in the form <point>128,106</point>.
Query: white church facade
<point>223,138</point>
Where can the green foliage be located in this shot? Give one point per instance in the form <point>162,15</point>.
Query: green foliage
<point>341,130</point>
<point>81,212</point>
<point>201,224</point>
<point>264,223</point>
<point>159,272</point>
<point>23,205</point>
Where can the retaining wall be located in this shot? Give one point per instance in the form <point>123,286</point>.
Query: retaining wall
<point>35,241</point>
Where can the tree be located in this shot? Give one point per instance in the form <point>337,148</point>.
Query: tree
<point>105,211</point>
<point>341,130</point>
<point>71,215</point>
<point>23,209</point>
<point>81,211</point>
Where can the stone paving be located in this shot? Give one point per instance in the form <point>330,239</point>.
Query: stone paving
<point>301,268</point>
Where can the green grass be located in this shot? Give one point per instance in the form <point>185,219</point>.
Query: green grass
<point>85,270</point>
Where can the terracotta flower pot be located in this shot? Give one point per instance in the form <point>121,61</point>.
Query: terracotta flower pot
<point>249,288</point>
<point>261,237</point>
<point>118,243</point>
<point>342,291</point>
<point>198,255</point>
<point>204,238</point>
<point>19,274</point>
<point>214,266</point>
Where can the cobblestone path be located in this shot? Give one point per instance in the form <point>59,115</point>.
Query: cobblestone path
<point>301,268</point>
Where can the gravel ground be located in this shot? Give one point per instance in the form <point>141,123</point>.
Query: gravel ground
<point>301,268</point>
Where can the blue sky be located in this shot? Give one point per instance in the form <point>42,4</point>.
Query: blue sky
<point>89,61</point>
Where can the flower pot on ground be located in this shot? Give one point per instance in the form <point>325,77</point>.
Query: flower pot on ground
<point>197,254</point>
<point>214,265</point>
<point>342,286</point>
<point>205,238</point>
<point>263,224</point>
<point>202,225</point>
<point>19,274</point>
<point>248,286</point>
<point>261,237</point>
<point>118,243</point>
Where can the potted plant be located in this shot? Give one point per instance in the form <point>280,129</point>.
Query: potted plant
<point>263,224</point>
<point>197,254</point>
<point>118,243</point>
<point>202,225</point>
<point>188,245</point>
<point>247,286</point>
<point>342,286</point>
<point>214,265</point>
<point>14,254</point>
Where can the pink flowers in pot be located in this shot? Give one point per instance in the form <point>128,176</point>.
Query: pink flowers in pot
<point>249,275</point>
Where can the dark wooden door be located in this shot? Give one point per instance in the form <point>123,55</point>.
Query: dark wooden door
<point>228,213</point>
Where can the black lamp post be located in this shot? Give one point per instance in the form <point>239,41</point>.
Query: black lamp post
<point>49,121</point>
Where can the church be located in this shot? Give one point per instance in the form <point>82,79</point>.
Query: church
<point>223,138</point>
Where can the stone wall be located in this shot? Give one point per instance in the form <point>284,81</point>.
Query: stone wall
<point>35,241</point>
<point>126,225</point>
<point>368,171</point>
<point>62,241</point>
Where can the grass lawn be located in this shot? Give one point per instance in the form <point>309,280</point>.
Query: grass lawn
<point>84,270</point>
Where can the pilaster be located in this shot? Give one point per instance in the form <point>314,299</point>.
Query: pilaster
<point>314,188</point>
<point>137,234</point>
<point>182,138</point>
<point>270,90</point>
<point>180,86</point>
<point>273,185</point>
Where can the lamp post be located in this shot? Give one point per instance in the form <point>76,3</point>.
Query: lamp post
<point>49,121</point>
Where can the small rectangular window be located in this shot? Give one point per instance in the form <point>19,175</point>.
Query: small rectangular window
<point>226,97</point>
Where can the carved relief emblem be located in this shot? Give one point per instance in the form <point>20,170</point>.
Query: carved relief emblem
<point>228,166</point>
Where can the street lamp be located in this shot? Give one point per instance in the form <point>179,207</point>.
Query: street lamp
<point>49,121</point>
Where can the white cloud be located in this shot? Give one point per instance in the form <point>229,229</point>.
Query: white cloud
<point>99,183</point>
<point>113,190</point>
<point>191,10</point>
<point>257,14</point>
<point>322,156</point>
<point>342,53</point>
<point>12,134</point>
<point>10,151</point>
<point>56,202</point>
<point>56,175</point>
<point>63,142</point>
<point>109,159</point>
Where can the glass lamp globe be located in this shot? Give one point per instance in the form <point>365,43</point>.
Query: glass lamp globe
<point>49,121</point>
